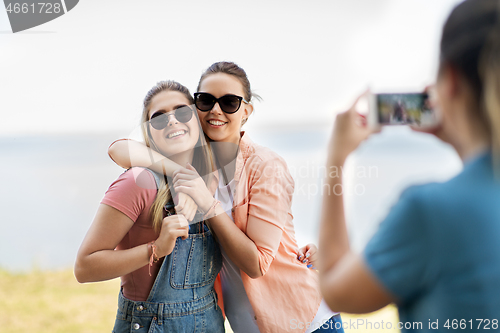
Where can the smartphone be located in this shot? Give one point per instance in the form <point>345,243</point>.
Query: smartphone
<point>401,109</point>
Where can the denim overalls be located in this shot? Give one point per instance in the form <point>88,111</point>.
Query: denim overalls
<point>182,298</point>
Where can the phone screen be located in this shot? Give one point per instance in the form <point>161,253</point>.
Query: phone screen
<point>405,109</point>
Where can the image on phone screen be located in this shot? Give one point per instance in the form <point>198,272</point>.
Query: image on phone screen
<point>405,109</point>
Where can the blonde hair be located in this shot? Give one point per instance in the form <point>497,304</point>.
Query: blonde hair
<point>202,160</point>
<point>471,43</point>
<point>490,72</point>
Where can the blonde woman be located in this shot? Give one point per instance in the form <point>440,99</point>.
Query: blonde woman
<point>167,267</point>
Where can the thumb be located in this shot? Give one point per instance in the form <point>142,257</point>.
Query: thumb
<point>300,254</point>
<point>183,221</point>
<point>190,167</point>
<point>354,107</point>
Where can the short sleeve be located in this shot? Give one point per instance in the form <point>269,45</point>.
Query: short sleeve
<point>270,199</point>
<point>399,254</point>
<point>132,193</point>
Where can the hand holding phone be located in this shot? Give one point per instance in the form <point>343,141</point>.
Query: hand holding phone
<point>413,109</point>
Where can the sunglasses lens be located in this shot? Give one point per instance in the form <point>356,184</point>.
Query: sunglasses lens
<point>159,121</point>
<point>204,102</point>
<point>229,103</point>
<point>184,114</point>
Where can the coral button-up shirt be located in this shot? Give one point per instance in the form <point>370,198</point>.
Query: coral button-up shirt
<point>286,298</point>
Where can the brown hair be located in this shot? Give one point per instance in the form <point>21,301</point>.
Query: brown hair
<point>470,43</point>
<point>201,160</point>
<point>233,69</point>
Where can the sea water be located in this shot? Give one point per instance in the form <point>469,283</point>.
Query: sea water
<point>51,186</point>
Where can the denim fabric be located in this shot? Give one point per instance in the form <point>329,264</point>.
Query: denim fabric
<point>182,298</point>
<point>333,325</point>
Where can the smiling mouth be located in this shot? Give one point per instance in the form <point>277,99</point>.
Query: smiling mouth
<point>216,122</point>
<point>175,134</point>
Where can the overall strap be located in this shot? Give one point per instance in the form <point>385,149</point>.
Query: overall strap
<point>156,177</point>
<point>169,206</point>
<point>160,278</point>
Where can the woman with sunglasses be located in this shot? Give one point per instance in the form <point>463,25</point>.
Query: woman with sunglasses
<point>265,287</point>
<point>437,253</point>
<point>167,267</point>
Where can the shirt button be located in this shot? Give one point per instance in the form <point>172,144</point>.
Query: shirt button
<point>136,326</point>
<point>140,308</point>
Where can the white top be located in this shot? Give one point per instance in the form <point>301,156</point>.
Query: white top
<point>237,307</point>
<point>323,315</point>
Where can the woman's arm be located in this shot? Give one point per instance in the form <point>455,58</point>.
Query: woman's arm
<point>268,204</point>
<point>240,248</point>
<point>128,153</point>
<point>98,261</point>
<point>345,280</point>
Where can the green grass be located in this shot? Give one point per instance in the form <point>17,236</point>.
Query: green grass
<point>55,302</point>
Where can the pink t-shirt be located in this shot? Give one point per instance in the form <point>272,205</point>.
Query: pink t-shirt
<point>133,193</point>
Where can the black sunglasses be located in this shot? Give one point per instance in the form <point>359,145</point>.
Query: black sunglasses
<point>160,119</point>
<point>228,103</point>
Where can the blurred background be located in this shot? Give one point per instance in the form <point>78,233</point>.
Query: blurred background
<point>70,87</point>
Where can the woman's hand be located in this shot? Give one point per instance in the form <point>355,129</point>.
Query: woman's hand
<point>308,255</point>
<point>185,205</point>
<point>188,181</point>
<point>350,130</point>
<point>172,227</point>
<point>437,128</point>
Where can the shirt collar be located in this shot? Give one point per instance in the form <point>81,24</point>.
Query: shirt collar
<point>247,148</point>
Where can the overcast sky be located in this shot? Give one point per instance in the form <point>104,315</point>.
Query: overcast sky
<point>90,69</point>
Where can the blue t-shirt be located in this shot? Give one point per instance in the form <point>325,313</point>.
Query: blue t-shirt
<point>438,252</point>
